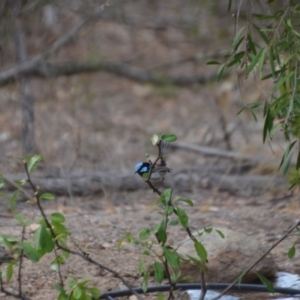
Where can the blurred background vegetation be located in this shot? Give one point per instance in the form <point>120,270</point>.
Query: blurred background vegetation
<point>127,70</point>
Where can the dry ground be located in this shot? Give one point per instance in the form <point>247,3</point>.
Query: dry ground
<point>103,122</point>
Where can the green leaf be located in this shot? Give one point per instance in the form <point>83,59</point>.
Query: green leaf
<point>208,229</point>
<point>57,217</point>
<point>169,211</point>
<point>169,137</point>
<point>237,37</point>
<point>172,258</point>
<point>77,292</point>
<point>95,292</point>
<point>174,223</point>
<point>268,124</point>
<point>251,45</point>
<point>83,283</point>
<point>58,287</point>
<point>60,230</point>
<point>9,240</point>
<point>12,201</point>
<point>240,278</point>
<point>19,219</point>
<point>160,231</point>
<point>2,184</point>
<point>175,276</point>
<point>261,33</point>
<point>144,233</point>
<point>273,130</point>
<point>42,240</point>
<point>160,296</point>
<point>33,162</point>
<point>261,62</point>
<point>292,252</point>
<point>66,254</point>
<point>201,251</point>
<point>187,201</point>
<point>298,160</point>
<point>167,194</point>
<point>20,182</point>
<point>141,266</point>
<point>221,234</point>
<point>63,296</point>
<point>286,164</point>
<point>9,271</point>
<point>286,158</point>
<point>146,253</point>
<point>213,62</point>
<point>72,283</point>
<point>119,243</point>
<point>47,196</point>
<point>283,80</point>
<point>236,59</point>
<point>289,23</point>
<point>159,272</point>
<point>146,279</point>
<point>220,72</point>
<point>272,62</point>
<point>183,218</point>
<point>229,5</point>
<point>255,60</point>
<point>197,263</point>
<point>30,251</point>
<point>266,282</point>
<point>155,139</point>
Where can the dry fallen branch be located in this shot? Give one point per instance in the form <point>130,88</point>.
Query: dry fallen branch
<point>19,70</point>
<point>47,70</point>
<point>215,152</point>
<point>82,183</point>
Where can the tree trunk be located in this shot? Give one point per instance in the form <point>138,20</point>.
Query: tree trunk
<point>28,143</point>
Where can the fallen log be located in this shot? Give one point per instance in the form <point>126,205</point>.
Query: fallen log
<point>235,180</point>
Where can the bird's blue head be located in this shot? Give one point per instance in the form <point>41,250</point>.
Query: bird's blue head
<point>142,168</point>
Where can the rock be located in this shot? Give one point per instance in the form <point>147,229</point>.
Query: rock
<point>229,257</point>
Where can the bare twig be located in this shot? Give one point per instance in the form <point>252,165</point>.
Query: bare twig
<point>203,286</point>
<point>20,264</point>
<point>59,270</point>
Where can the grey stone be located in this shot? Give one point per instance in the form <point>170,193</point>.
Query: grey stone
<point>229,257</point>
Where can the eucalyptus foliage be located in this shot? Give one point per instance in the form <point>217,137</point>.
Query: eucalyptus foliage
<point>269,45</point>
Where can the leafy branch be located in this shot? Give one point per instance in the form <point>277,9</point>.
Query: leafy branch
<point>169,259</point>
<point>269,47</point>
<point>50,236</point>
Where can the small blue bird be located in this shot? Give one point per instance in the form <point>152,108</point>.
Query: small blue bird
<point>159,170</point>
